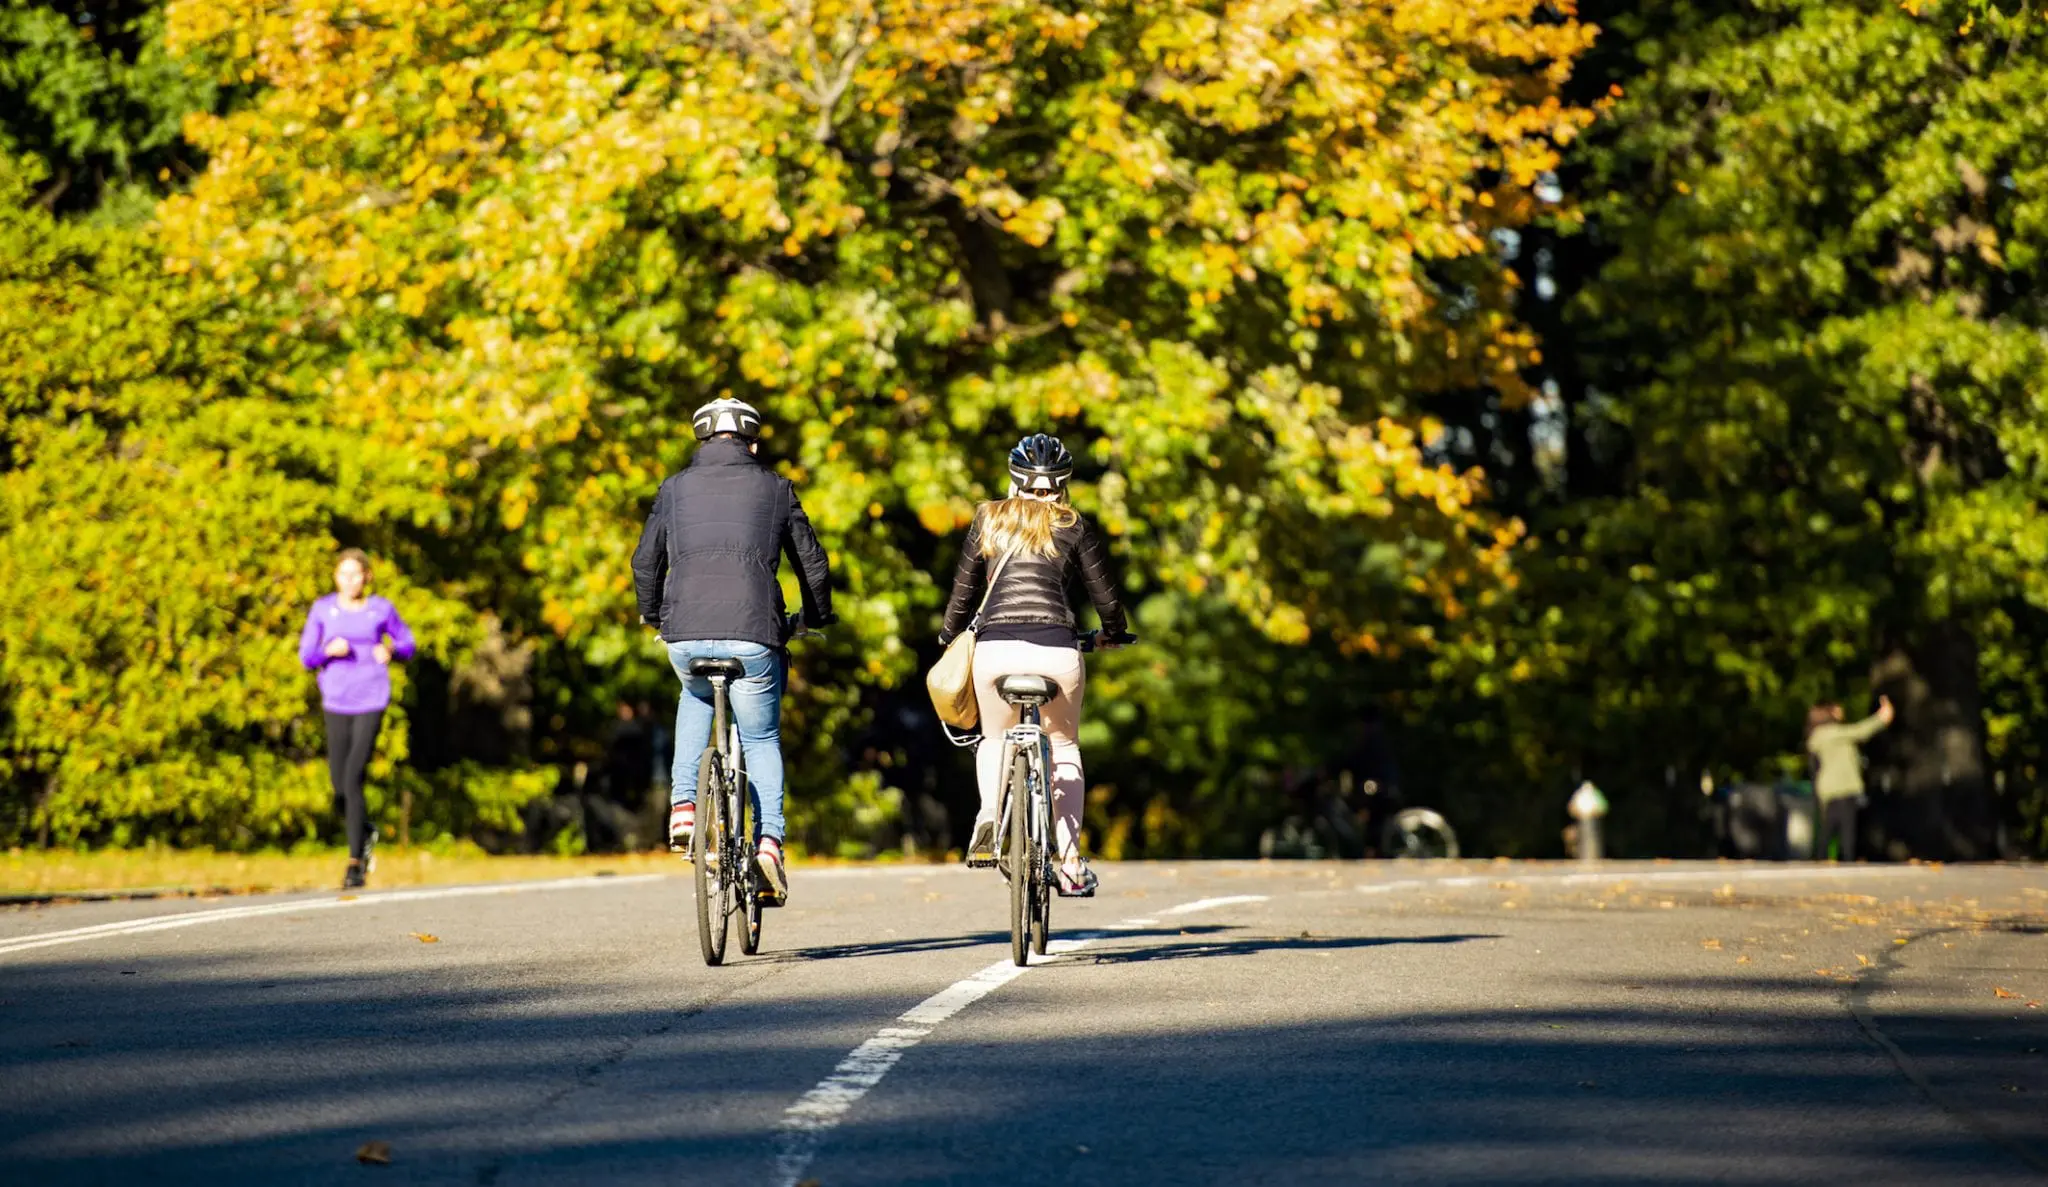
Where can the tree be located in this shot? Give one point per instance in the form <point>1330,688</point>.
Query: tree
<point>1233,249</point>
<point>1817,337</point>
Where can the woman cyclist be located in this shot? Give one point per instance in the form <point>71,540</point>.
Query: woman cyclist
<point>350,639</point>
<point>1035,543</point>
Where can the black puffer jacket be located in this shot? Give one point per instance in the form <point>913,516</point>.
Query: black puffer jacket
<point>1033,589</point>
<point>705,568</point>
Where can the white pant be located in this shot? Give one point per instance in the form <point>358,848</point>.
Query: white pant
<point>1061,717</point>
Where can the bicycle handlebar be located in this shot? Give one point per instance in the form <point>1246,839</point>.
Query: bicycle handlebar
<point>1091,638</point>
<point>797,630</point>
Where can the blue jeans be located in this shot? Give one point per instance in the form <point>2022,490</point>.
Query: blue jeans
<point>756,707</point>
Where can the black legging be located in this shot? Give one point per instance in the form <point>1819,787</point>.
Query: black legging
<point>351,738</point>
<point>1838,820</point>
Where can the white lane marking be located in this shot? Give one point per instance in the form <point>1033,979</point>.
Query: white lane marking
<point>1744,875</point>
<point>815,1114</point>
<point>129,927</point>
<point>1717,875</point>
<point>1207,903</point>
<point>1389,887</point>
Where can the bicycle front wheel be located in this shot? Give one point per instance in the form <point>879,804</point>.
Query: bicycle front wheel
<point>709,851</point>
<point>747,879</point>
<point>1041,860</point>
<point>1023,863</point>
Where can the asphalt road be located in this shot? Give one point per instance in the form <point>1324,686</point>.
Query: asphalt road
<point>1287,1023</point>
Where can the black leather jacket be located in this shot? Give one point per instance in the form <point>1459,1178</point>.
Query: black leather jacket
<point>1033,589</point>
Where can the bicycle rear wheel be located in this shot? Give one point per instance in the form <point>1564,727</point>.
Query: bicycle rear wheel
<point>1022,862</point>
<point>709,853</point>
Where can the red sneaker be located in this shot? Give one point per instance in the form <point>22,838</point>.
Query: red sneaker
<point>774,879</point>
<point>682,821</point>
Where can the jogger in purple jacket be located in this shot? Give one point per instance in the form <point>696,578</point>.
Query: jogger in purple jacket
<point>350,639</point>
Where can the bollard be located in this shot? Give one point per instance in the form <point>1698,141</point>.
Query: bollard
<point>1587,807</point>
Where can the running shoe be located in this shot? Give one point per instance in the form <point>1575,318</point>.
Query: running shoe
<point>774,878</point>
<point>682,821</point>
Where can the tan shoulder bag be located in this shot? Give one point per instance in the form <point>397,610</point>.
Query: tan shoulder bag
<point>951,680</point>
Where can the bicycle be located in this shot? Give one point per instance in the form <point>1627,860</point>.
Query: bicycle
<point>722,848</point>
<point>1024,848</point>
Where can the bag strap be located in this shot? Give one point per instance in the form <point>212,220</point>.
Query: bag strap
<point>994,576</point>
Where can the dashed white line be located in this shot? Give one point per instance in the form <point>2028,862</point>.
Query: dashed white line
<point>1613,876</point>
<point>129,927</point>
<point>819,1111</point>
<point>1207,903</point>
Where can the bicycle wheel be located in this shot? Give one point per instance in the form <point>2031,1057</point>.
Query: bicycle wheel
<point>709,855</point>
<point>748,884</point>
<point>1021,861</point>
<point>1419,833</point>
<point>1041,857</point>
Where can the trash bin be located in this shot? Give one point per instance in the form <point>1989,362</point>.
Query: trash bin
<point>1801,815</point>
<point>1753,827</point>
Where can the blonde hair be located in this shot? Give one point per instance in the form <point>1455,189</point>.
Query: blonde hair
<point>1020,524</point>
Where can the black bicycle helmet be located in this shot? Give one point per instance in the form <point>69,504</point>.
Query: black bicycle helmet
<point>1040,463</point>
<point>727,416</point>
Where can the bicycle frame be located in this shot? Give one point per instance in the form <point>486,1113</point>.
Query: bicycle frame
<point>1028,737</point>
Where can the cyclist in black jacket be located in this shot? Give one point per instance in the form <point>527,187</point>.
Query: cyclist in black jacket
<point>1036,545</point>
<point>705,575</point>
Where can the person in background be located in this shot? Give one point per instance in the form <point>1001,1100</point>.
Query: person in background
<point>350,639</point>
<point>1838,769</point>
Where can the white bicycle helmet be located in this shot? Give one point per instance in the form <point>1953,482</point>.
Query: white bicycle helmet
<point>737,417</point>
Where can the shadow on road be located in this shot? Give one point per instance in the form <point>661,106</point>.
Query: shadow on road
<point>946,943</point>
<point>1253,945</point>
<point>206,1070</point>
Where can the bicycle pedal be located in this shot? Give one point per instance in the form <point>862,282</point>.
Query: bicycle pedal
<point>981,863</point>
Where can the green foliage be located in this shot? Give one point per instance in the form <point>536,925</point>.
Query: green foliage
<point>1817,335</point>
<point>91,90</point>
<point>164,523</point>
<point>481,260</point>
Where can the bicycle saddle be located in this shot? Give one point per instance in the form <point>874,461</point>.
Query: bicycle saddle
<point>731,669</point>
<point>1026,690</point>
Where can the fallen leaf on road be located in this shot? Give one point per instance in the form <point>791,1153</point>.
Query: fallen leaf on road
<point>1742,960</point>
<point>1711,945</point>
<point>1863,960</point>
<point>423,937</point>
<point>1823,972</point>
<point>374,1154</point>
<point>2002,991</point>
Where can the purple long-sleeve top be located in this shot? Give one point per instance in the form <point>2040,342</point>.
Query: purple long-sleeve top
<point>356,682</point>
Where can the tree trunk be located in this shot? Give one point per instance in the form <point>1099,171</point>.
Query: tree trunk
<point>1930,784</point>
